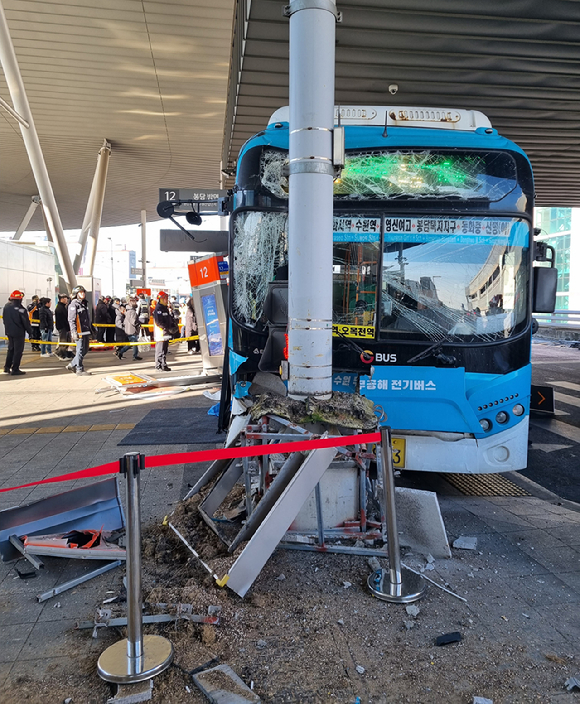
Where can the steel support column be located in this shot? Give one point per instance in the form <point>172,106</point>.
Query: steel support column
<point>98,197</point>
<point>33,148</point>
<point>144,246</point>
<point>28,217</point>
<point>312,37</point>
<point>92,220</point>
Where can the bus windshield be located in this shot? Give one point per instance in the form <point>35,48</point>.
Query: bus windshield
<point>460,279</point>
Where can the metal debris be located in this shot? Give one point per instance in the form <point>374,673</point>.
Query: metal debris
<point>572,682</point>
<point>482,700</point>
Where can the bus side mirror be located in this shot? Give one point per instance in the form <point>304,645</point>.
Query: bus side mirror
<point>545,283</point>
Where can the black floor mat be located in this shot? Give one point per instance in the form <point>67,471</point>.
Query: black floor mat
<point>176,426</point>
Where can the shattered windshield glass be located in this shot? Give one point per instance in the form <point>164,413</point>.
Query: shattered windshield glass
<point>260,256</point>
<point>463,279</point>
<point>426,173</point>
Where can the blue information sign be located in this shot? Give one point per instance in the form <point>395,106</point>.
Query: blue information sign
<point>212,325</point>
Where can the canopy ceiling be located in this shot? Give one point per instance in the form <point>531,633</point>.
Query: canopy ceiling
<point>175,92</point>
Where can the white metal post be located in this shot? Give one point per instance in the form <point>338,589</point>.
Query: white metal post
<point>97,206</point>
<point>144,246</point>
<point>94,204</point>
<point>33,148</point>
<point>312,37</point>
<point>27,218</point>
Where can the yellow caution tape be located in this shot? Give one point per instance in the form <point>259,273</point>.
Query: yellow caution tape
<point>97,345</point>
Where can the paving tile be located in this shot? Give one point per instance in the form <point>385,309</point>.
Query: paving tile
<point>568,533</point>
<point>49,639</point>
<point>13,639</point>
<point>546,589</point>
<point>565,619</point>
<point>50,429</point>
<point>76,428</point>
<point>564,559</point>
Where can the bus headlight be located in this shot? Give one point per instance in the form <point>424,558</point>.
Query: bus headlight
<point>502,417</point>
<point>518,410</point>
<point>485,424</point>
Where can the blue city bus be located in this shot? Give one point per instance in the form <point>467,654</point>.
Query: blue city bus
<point>432,279</point>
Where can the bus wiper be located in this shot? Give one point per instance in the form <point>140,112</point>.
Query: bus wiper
<point>364,355</point>
<point>435,350</point>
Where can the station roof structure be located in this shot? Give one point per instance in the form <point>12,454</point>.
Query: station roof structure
<point>177,86</point>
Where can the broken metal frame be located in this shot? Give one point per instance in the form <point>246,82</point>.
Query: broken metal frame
<point>78,580</point>
<point>272,482</point>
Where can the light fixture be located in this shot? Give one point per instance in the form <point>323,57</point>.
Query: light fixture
<point>502,417</point>
<point>485,424</point>
<point>518,410</point>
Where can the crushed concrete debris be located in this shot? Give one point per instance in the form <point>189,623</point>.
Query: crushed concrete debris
<point>340,622</point>
<point>346,585</point>
<point>409,624</point>
<point>482,700</point>
<point>465,543</point>
<point>413,610</point>
<point>572,682</point>
<point>360,669</point>
<point>133,693</point>
<point>280,577</point>
<point>221,685</point>
<point>343,410</point>
<point>261,644</point>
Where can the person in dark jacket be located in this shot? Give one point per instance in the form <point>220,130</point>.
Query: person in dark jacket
<point>46,318</point>
<point>191,328</point>
<point>79,321</point>
<point>16,325</point>
<point>131,327</point>
<point>102,317</point>
<point>164,327</point>
<point>110,332</point>
<point>35,322</point>
<point>62,326</point>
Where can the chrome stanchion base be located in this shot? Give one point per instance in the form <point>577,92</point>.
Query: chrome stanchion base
<point>411,588</point>
<point>115,666</point>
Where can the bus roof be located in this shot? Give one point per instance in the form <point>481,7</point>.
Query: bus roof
<point>398,116</point>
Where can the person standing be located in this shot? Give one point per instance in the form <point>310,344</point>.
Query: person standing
<point>164,326</point>
<point>79,321</point>
<point>33,316</point>
<point>16,325</point>
<point>102,317</point>
<point>46,318</point>
<point>120,335</point>
<point>191,328</point>
<point>61,324</point>
<point>132,327</point>
<point>110,332</point>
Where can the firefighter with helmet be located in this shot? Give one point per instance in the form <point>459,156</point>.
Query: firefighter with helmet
<point>16,325</point>
<point>79,321</point>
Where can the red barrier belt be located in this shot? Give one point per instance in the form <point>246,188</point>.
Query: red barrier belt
<point>211,455</point>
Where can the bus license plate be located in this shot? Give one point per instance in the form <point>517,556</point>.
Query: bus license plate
<point>398,447</point>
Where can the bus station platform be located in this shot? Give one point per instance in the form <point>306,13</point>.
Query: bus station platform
<point>308,631</point>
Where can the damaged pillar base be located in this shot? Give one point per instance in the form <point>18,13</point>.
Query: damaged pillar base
<point>410,588</point>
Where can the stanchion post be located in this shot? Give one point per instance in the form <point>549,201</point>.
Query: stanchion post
<point>397,584</point>
<point>135,658</point>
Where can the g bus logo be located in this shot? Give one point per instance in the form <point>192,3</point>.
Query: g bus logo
<point>388,358</point>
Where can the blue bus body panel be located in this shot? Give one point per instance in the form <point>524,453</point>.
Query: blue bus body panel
<point>371,137</point>
<point>446,400</point>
